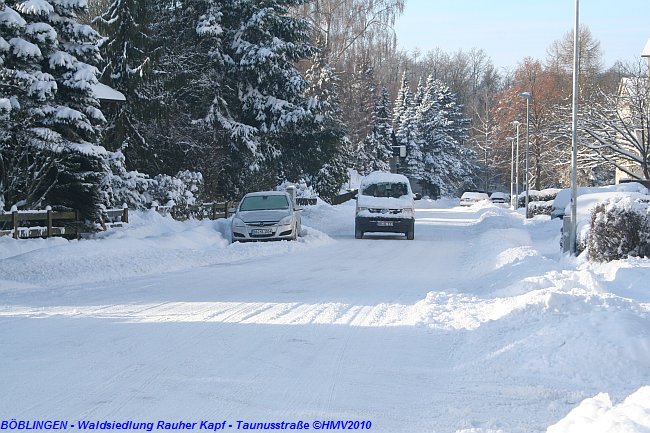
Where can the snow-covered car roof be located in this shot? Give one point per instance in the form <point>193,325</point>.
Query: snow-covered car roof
<point>475,195</point>
<point>381,176</point>
<point>498,195</point>
<point>259,193</point>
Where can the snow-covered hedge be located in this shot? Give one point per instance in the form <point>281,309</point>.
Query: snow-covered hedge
<point>540,208</point>
<point>302,189</point>
<point>544,195</point>
<point>619,229</point>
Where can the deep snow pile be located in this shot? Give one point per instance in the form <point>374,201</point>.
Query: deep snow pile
<point>600,415</point>
<point>149,244</point>
<point>482,325</point>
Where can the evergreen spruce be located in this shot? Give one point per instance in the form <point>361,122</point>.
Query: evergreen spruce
<point>126,52</point>
<point>379,141</point>
<point>325,154</point>
<point>442,130</point>
<point>50,116</point>
<point>259,106</point>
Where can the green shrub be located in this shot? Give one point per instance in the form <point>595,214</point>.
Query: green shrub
<point>619,230</point>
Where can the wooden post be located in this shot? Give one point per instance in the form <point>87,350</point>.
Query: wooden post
<point>14,222</point>
<point>49,222</point>
<point>77,224</point>
<point>125,214</point>
<point>225,209</point>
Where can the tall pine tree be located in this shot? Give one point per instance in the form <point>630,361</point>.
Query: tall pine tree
<point>126,51</point>
<point>378,144</point>
<point>442,130</point>
<point>260,101</point>
<point>50,116</point>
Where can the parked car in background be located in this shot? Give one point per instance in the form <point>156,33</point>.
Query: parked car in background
<point>266,215</point>
<point>385,203</point>
<point>499,198</point>
<point>470,197</point>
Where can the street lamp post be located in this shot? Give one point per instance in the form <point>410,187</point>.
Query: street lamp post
<point>573,234</point>
<point>646,53</point>
<point>528,99</point>
<point>512,170</point>
<point>516,206</point>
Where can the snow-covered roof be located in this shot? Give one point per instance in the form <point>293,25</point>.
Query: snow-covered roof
<point>102,91</point>
<point>646,50</point>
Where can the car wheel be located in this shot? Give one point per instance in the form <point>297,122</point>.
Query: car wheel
<point>358,234</point>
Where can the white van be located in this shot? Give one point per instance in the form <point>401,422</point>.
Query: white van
<point>385,204</point>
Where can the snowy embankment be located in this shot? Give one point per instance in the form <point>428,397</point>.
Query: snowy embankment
<point>150,244</point>
<point>479,325</point>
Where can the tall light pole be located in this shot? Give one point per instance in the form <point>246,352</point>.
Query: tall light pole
<point>516,123</point>
<point>574,134</point>
<point>512,170</point>
<point>528,99</point>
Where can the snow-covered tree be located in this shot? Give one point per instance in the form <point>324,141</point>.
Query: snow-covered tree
<point>260,99</point>
<point>50,114</point>
<point>378,145</point>
<point>407,134</point>
<point>403,100</point>
<point>321,154</point>
<point>126,51</point>
<point>442,130</point>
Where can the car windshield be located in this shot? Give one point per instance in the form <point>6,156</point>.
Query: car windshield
<point>264,202</point>
<point>385,189</point>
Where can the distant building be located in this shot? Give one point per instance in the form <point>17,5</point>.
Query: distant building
<point>629,91</point>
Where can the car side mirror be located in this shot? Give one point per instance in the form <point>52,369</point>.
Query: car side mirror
<point>417,196</point>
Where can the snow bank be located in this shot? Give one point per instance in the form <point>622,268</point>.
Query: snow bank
<point>149,244</point>
<point>600,415</point>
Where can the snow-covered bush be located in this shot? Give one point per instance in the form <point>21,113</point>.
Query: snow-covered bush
<point>540,208</point>
<point>619,229</point>
<point>302,189</point>
<point>179,191</point>
<point>120,186</point>
<point>544,195</point>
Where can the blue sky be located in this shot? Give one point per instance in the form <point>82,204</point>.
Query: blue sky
<point>510,30</point>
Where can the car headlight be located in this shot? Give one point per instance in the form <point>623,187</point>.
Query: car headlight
<point>286,220</point>
<point>361,209</point>
<point>408,211</point>
<point>236,222</point>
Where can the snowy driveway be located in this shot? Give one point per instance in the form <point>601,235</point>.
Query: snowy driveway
<point>477,324</point>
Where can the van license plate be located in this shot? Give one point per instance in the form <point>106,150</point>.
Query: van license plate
<point>384,224</point>
<point>261,232</point>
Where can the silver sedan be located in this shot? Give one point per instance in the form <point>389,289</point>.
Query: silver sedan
<point>266,215</point>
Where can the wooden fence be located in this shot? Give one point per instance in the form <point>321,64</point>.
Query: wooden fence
<point>46,223</point>
<point>212,210</point>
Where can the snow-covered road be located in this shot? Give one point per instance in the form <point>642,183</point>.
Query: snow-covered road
<point>477,325</point>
